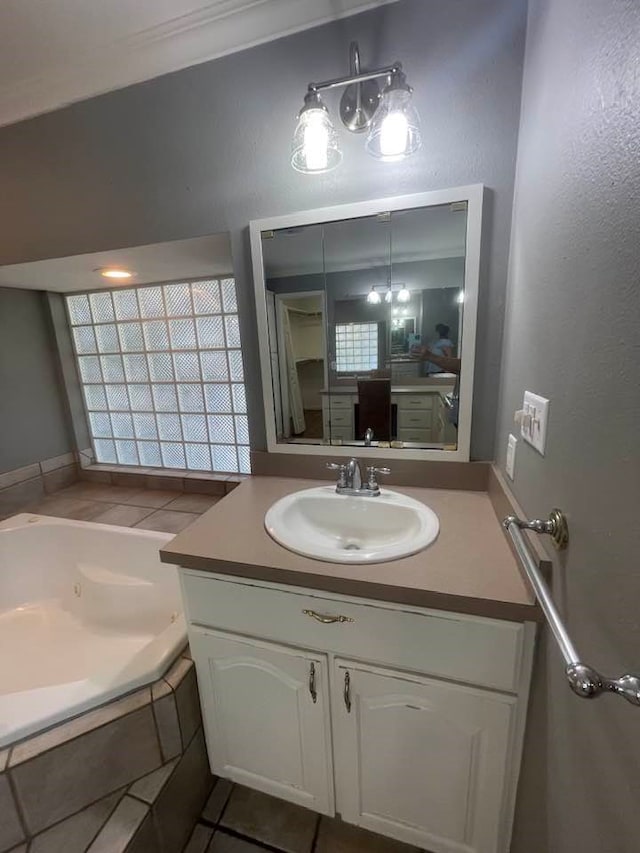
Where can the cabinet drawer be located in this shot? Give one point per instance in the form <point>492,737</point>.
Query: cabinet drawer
<point>414,418</point>
<point>419,435</point>
<point>415,401</point>
<point>465,648</point>
<point>344,402</point>
<point>342,433</point>
<point>341,417</point>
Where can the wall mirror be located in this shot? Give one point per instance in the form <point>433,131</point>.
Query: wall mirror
<point>366,316</point>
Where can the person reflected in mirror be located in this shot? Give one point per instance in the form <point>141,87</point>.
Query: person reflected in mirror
<point>447,364</point>
<point>442,346</point>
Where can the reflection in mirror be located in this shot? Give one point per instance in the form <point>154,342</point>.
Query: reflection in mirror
<point>365,323</point>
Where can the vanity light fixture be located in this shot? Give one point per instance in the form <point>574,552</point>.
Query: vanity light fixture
<point>390,118</point>
<point>388,297</point>
<point>373,297</point>
<point>395,129</point>
<point>114,272</point>
<point>315,143</point>
<point>404,295</point>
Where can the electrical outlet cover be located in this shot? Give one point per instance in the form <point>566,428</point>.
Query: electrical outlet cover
<point>534,424</point>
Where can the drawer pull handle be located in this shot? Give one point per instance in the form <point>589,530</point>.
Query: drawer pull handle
<point>312,683</point>
<point>325,618</point>
<point>347,692</point>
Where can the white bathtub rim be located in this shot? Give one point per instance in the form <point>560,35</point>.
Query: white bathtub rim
<point>26,519</point>
<point>73,698</point>
<point>83,694</point>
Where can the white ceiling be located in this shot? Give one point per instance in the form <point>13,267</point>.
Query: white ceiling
<point>180,260</point>
<point>55,52</point>
<point>426,233</point>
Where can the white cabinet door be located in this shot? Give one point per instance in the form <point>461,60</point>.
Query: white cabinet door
<point>419,759</point>
<point>266,716</point>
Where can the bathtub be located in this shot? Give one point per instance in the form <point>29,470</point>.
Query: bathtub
<point>87,613</point>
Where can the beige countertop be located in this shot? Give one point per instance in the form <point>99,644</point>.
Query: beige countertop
<point>468,569</point>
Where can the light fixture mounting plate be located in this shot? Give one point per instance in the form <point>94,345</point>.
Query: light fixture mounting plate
<point>358,105</point>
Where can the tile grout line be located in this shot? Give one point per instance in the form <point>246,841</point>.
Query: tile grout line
<point>123,794</point>
<point>18,805</point>
<point>225,830</point>
<point>314,843</point>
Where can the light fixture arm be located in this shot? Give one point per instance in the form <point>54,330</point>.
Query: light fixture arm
<point>347,80</point>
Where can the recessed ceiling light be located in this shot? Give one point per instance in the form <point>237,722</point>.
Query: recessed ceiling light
<point>114,272</point>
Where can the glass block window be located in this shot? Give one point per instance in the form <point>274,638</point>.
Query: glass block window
<point>162,376</point>
<point>356,347</point>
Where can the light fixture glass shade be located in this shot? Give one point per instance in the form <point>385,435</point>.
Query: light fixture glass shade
<point>388,297</point>
<point>404,295</point>
<point>395,129</point>
<point>373,297</point>
<point>315,147</point>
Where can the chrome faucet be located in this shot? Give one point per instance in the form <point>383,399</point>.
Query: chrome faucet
<point>368,437</point>
<point>350,480</point>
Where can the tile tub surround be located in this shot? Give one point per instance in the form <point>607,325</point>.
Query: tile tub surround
<point>30,483</point>
<point>161,509</point>
<point>181,480</point>
<point>116,778</point>
<point>24,488</point>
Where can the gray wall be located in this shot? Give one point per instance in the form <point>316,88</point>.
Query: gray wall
<point>207,150</point>
<point>572,333</point>
<point>33,422</point>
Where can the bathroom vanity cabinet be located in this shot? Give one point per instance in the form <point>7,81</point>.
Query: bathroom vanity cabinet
<point>407,721</point>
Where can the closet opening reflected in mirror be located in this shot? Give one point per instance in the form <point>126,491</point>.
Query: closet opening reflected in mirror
<point>366,317</point>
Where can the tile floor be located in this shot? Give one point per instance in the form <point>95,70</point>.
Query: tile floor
<point>238,820</point>
<point>152,509</point>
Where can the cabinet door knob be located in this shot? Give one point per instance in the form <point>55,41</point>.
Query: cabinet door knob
<point>326,618</point>
<point>347,692</point>
<point>312,683</point>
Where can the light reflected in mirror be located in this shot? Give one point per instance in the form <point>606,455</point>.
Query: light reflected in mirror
<point>365,322</point>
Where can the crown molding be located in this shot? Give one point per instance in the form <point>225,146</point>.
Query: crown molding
<point>215,30</point>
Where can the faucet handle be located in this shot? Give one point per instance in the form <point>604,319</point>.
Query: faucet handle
<point>372,480</point>
<point>342,473</point>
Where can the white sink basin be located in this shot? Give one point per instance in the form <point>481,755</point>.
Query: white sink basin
<point>324,525</point>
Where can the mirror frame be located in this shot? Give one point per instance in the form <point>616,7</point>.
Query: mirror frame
<point>473,195</point>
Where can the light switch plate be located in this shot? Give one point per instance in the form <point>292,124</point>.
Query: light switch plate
<point>534,423</point>
<point>512,445</point>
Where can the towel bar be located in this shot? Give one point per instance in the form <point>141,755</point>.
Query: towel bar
<point>583,679</point>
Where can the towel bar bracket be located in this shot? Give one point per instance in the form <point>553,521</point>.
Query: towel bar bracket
<point>588,683</point>
<point>556,526</point>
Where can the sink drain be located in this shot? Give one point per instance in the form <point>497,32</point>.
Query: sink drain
<point>351,546</point>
